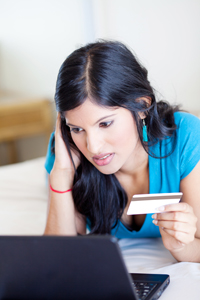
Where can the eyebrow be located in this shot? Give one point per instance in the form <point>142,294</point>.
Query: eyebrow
<point>95,122</point>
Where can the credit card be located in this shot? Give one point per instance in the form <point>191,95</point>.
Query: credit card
<point>149,203</point>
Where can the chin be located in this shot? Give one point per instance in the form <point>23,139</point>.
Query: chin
<point>107,171</point>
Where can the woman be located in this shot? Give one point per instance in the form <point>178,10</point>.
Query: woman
<point>112,140</point>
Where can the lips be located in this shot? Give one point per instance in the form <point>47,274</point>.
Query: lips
<point>103,159</point>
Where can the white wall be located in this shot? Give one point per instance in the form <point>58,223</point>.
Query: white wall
<point>165,35</point>
<point>37,35</point>
<point>35,38</point>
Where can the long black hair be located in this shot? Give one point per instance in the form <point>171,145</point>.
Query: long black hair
<point>110,74</point>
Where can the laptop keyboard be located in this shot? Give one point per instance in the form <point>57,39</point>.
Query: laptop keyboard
<point>143,289</point>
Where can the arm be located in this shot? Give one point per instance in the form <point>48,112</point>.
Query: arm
<point>180,226</point>
<point>62,217</point>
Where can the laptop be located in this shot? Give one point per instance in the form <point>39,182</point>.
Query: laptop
<point>81,267</point>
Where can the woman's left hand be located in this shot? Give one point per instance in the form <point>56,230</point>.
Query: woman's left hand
<point>177,224</point>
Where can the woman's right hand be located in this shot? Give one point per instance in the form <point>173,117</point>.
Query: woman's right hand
<point>62,218</point>
<point>63,161</point>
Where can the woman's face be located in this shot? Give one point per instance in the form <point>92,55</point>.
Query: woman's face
<point>106,136</point>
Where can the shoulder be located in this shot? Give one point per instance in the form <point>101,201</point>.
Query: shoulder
<point>188,127</point>
<point>188,141</point>
<point>50,156</point>
<point>187,132</point>
<point>186,121</point>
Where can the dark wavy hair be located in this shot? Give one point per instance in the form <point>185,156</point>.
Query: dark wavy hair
<point>108,73</point>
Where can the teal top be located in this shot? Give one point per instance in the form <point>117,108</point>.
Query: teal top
<point>165,174</point>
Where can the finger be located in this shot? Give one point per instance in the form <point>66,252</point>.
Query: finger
<point>60,144</point>
<point>169,241</point>
<point>175,226</point>
<point>182,237</point>
<point>58,121</point>
<point>181,206</point>
<point>174,216</point>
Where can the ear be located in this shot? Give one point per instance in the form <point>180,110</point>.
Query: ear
<point>147,103</point>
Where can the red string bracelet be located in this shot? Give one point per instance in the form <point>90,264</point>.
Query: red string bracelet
<point>59,192</point>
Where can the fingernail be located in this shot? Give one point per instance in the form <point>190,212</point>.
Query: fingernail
<point>154,216</point>
<point>155,222</point>
<point>161,208</point>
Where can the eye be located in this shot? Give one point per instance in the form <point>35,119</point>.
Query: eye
<point>105,124</point>
<point>76,130</point>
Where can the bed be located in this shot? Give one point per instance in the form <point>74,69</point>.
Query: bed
<point>23,210</point>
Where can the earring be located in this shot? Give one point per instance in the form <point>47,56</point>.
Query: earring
<point>144,130</point>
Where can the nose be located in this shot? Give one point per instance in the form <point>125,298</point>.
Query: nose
<point>94,143</point>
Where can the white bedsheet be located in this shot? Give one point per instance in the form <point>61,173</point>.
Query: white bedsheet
<point>150,256</point>
<point>23,198</point>
<point>23,206</point>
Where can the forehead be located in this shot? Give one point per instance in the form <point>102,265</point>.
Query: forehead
<point>89,110</point>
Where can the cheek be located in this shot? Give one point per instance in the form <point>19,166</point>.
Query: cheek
<point>124,136</point>
<point>79,142</point>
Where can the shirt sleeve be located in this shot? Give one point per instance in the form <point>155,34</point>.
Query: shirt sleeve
<point>50,156</point>
<point>189,139</point>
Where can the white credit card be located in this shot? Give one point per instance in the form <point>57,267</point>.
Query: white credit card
<point>149,203</point>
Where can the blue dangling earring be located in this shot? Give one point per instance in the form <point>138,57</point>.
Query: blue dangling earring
<point>144,131</point>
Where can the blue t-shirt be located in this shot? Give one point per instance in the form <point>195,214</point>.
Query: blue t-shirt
<point>165,174</point>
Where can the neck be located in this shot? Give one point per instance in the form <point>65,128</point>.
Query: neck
<point>136,162</point>
<point>134,175</point>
